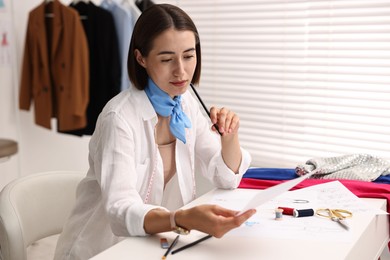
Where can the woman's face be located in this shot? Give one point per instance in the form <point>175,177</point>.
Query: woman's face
<point>171,62</point>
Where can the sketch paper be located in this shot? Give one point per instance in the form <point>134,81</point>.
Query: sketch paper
<point>327,195</point>
<point>263,196</point>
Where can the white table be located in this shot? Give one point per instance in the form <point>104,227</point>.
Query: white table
<point>370,237</point>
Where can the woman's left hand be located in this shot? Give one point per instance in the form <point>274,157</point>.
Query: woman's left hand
<point>227,121</point>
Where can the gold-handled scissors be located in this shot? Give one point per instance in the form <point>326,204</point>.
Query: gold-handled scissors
<point>337,215</point>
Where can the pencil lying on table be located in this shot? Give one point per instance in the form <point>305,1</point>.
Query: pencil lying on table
<point>170,247</point>
<point>191,244</point>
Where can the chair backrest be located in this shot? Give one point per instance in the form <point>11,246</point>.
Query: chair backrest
<point>34,207</point>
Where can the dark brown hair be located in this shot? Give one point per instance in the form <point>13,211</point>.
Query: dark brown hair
<point>152,22</point>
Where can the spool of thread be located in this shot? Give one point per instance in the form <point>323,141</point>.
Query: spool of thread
<point>278,214</point>
<point>303,213</point>
<point>287,211</point>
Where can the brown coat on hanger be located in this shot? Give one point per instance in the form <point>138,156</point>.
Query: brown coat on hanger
<point>55,72</point>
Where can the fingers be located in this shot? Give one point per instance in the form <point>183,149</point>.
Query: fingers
<point>224,212</point>
<point>227,120</point>
<point>232,221</point>
<point>237,220</point>
<point>217,221</point>
<point>244,216</point>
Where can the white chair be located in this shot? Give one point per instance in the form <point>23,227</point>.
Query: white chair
<point>34,207</point>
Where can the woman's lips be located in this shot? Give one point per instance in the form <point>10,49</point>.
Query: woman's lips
<point>179,83</point>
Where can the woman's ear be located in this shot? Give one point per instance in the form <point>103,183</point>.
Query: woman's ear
<point>139,58</point>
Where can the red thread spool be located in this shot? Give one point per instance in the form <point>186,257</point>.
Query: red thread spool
<point>287,211</point>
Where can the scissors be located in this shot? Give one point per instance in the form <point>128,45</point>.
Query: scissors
<point>337,215</point>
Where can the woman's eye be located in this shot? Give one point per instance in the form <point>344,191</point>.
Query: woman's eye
<point>166,60</point>
<point>188,57</point>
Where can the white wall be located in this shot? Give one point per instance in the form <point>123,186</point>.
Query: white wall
<point>40,149</point>
<point>9,167</point>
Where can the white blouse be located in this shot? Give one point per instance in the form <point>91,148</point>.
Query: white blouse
<point>126,176</point>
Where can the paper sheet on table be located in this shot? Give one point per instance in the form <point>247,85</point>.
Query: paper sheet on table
<point>326,195</point>
<point>265,195</point>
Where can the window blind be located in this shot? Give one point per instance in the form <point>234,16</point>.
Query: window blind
<point>307,78</point>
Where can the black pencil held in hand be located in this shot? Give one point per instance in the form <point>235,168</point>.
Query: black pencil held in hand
<point>204,106</point>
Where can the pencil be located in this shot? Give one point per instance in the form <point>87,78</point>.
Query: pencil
<point>191,244</point>
<point>170,247</point>
<point>204,106</point>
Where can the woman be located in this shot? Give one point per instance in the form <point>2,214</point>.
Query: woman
<point>147,142</point>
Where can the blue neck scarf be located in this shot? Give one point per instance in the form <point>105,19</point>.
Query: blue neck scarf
<point>165,106</point>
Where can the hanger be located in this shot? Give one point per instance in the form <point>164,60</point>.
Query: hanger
<point>78,1</point>
<point>75,2</point>
<point>49,14</point>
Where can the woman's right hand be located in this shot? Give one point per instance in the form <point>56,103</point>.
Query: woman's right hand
<point>211,219</point>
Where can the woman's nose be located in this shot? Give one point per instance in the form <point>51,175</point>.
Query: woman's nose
<point>179,68</point>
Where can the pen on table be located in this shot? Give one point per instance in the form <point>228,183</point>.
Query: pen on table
<point>191,244</point>
<point>204,106</point>
<point>171,246</point>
